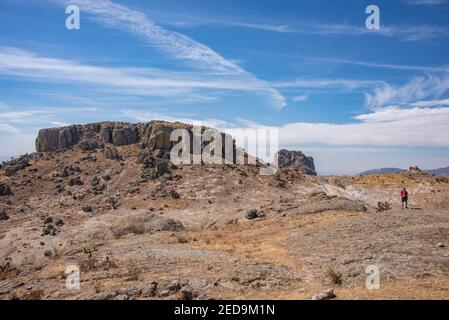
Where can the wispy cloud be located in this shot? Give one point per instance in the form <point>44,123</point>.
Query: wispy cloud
<point>404,32</point>
<point>300,98</point>
<point>431,103</point>
<point>419,88</point>
<point>346,84</point>
<point>176,45</point>
<point>427,2</point>
<point>133,81</point>
<point>144,116</point>
<point>32,118</point>
<point>321,28</point>
<point>5,127</point>
<point>382,65</point>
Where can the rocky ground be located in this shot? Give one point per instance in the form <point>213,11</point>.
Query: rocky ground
<point>140,228</point>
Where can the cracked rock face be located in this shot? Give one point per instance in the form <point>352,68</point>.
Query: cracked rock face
<point>154,135</point>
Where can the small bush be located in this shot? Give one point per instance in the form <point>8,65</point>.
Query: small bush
<point>335,277</point>
<point>133,271</point>
<point>383,206</point>
<point>442,180</point>
<point>8,270</point>
<point>135,227</point>
<point>33,295</point>
<point>90,263</point>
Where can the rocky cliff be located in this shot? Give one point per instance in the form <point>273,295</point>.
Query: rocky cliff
<point>296,160</point>
<point>154,135</point>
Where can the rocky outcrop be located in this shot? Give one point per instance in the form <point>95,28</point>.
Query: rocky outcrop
<point>320,202</point>
<point>296,160</point>
<point>13,166</point>
<point>154,135</point>
<point>415,169</point>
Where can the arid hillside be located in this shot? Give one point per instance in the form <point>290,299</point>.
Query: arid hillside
<point>139,227</point>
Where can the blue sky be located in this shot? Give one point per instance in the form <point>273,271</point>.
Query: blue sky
<point>353,98</point>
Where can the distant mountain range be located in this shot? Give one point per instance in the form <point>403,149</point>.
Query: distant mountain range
<point>438,172</point>
<point>382,171</point>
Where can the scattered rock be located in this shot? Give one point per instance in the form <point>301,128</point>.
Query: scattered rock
<point>440,245</point>
<point>75,182</point>
<point>48,220</point>
<point>251,214</point>
<point>121,297</point>
<point>95,181</point>
<point>48,253</point>
<point>187,292</point>
<point>5,190</point>
<point>16,165</point>
<point>174,194</point>
<point>133,190</point>
<point>88,145</point>
<point>169,224</point>
<point>3,216</point>
<point>173,286</point>
<point>49,230</point>
<point>325,295</point>
<point>164,293</point>
<point>151,290</point>
<point>111,153</point>
<point>87,209</point>
<point>162,168</point>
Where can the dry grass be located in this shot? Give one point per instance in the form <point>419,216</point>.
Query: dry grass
<point>133,226</point>
<point>8,270</point>
<point>90,262</point>
<point>133,270</point>
<point>335,277</point>
<point>33,295</point>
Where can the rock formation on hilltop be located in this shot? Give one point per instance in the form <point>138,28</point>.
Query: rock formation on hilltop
<point>154,135</point>
<point>296,160</point>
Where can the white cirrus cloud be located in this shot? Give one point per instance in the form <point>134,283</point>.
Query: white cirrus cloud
<point>419,88</point>
<point>175,44</point>
<point>134,81</point>
<point>346,84</point>
<point>300,98</point>
<point>431,103</point>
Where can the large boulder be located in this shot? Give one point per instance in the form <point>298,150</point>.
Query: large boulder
<point>3,216</point>
<point>296,160</point>
<point>111,153</point>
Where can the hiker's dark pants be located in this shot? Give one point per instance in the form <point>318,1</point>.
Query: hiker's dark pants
<point>405,200</point>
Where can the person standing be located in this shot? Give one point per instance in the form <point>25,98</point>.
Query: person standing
<point>404,197</point>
